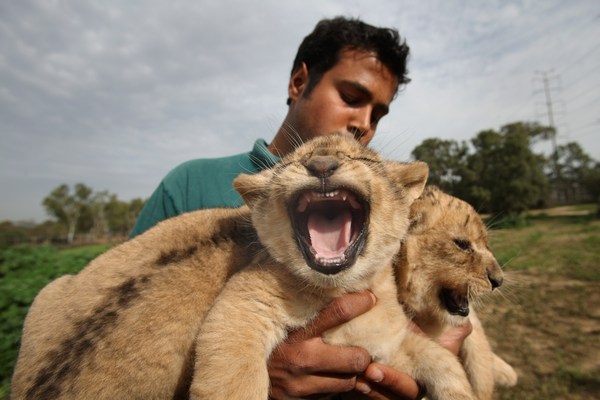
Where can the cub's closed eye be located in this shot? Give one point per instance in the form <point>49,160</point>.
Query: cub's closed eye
<point>462,244</point>
<point>365,159</point>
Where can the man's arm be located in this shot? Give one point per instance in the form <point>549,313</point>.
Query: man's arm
<point>305,365</point>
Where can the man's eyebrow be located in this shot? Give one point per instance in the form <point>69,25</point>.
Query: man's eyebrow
<point>358,87</point>
<point>383,108</point>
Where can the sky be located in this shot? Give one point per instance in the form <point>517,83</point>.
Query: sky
<point>114,94</point>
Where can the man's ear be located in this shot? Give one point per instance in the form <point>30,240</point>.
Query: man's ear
<point>298,82</point>
<point>252,186</point>
<point>413,176</point>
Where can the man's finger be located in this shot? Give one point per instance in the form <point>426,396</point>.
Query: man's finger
<point>383,382</point>
<point>310,386</point>
<point>313,356</point>
<point>453,338</point>
<point>340,310</point>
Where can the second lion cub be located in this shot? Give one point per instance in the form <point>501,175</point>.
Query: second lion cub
<point>331,217</point>
<point>445,263</point>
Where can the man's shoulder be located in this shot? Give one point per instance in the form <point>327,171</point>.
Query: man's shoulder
<point>249,162</point>
<point>208,166</point>
<point>201,164</point>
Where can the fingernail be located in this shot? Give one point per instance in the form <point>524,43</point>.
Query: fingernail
<point>373,297</point>
<point>363,387</point>
<point>374,374</point>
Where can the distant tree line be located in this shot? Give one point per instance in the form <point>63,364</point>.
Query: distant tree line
<point>77,212</point>
<point>499,173</point>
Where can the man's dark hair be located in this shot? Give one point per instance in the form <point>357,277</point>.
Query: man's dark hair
<point>322,48</point>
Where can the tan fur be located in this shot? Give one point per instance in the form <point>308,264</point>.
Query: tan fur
<point>125,326</point>
<point>279,291</point>
<point>447,249</point>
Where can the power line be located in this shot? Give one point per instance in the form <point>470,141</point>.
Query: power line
<point>586,105</point>
<point>577,61</point>
<point>584,75</point>
<point>584,92</point>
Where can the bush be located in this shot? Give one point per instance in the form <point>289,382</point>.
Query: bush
<point>24,271</point>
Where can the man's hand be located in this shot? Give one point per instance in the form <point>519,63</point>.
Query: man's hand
<point>382,382</point>
<point>452,339</point>
<point>304,365</point>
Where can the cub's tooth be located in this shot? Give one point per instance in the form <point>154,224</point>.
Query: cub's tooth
<point>302,204</point>
<point>353,202</point>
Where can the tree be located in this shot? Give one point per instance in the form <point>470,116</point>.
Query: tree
<point>98,207</point>
<point>503,174</point>
<point>591,182</point>
<point>572,165</point>
<point>121,215</point>
<point>11,234</point>
<point>447,161</point>
<point>67,208</point>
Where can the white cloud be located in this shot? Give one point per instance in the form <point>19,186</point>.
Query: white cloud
<point>114,94</point>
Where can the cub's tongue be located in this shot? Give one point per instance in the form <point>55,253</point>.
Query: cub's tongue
<point>330,236</point>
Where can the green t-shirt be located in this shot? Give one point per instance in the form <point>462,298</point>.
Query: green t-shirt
<point>202,183</point>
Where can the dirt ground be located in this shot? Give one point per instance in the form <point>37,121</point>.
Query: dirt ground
<point>548,328</point>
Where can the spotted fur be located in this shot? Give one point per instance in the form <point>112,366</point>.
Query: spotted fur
<point>125,326</point>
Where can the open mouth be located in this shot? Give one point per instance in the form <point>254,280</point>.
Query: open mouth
<point>454,303</point>
<point>330,228</point>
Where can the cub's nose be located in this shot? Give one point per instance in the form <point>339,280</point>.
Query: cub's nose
<point>495,280</point>
<point>322,166</point>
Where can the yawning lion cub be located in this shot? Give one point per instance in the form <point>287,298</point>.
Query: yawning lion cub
<point>332,217</point>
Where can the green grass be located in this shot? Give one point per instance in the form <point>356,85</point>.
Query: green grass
<point>567,246</point>
<point>24,271</point>
<point>546,323</point>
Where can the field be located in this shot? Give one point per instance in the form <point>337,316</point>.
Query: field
<point>24,271</point>
<point>545,320</point>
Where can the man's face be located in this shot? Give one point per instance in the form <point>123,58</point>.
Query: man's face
<point>350,98</point>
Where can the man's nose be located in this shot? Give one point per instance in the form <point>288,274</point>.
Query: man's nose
<point>360,124</point>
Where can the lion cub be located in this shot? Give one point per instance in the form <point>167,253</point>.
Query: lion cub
<point>125,326</point>
<point>331,217</point>
<point>445,263</point>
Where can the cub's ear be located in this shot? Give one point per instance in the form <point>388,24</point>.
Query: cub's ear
<point>425,211</point>
<point>252,186</point>
<point>413,176</point>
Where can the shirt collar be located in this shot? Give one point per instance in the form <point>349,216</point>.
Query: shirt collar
<point>261,156</point>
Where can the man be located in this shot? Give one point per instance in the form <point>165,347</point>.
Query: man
<point>344,77</point>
